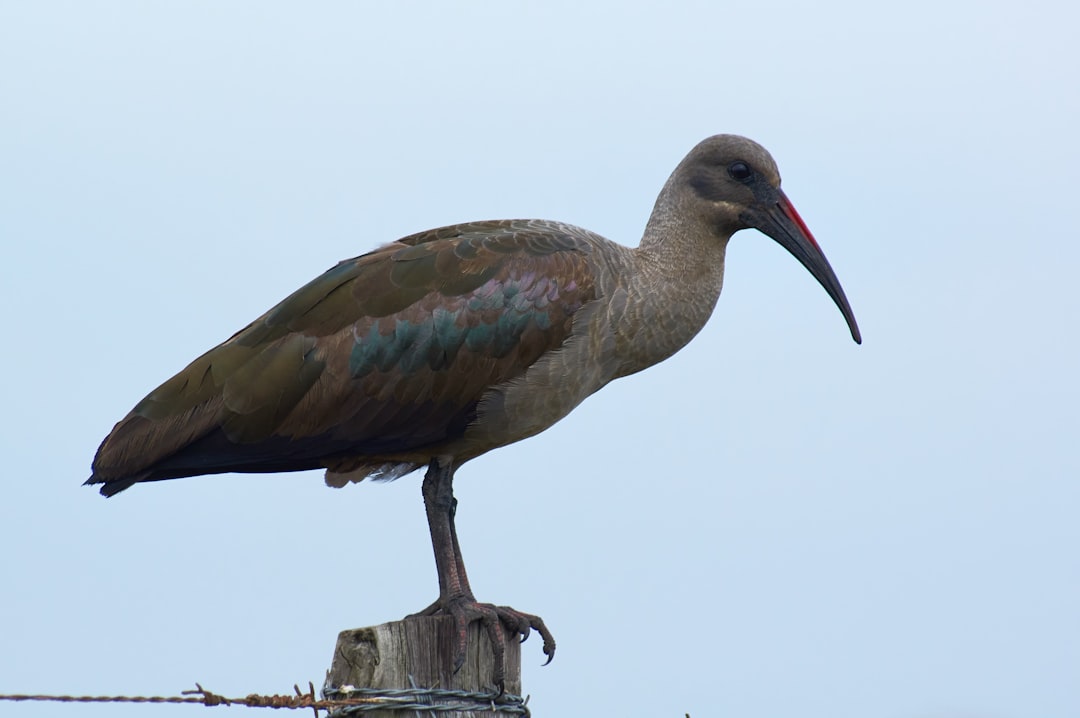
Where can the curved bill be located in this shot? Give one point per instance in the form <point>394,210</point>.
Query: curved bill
<point>780,221</point>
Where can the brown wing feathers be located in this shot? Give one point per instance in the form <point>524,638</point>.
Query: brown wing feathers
<point>390,351</point>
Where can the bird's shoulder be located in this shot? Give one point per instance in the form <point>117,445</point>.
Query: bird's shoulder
<point>434,268</point>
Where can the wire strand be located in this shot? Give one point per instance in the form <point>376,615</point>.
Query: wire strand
<point>342,701</point>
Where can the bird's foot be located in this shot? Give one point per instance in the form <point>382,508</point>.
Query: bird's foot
<point>496,621</point>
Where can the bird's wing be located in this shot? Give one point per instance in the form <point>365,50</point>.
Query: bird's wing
<point>386,352</point>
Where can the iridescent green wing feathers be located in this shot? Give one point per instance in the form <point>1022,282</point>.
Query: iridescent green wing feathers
<point>387,352</point>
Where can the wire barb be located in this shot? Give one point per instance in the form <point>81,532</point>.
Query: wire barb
<point>208,698</point>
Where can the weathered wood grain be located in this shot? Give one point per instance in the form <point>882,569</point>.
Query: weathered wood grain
<point>385,656</point>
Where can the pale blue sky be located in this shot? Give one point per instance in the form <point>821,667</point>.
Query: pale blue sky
<point>775,522</point>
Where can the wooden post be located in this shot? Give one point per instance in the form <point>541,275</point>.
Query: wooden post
<point>387,655</point>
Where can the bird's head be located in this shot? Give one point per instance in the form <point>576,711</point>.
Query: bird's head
<point>732,183</point>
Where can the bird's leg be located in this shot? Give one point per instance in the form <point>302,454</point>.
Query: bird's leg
<point>440,504</point>
<point>455,596</point>
<point>462,576</point>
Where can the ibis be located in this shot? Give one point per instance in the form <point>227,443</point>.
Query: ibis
<point>434,349</point>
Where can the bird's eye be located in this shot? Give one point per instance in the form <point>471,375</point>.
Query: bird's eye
<point>740,171</point>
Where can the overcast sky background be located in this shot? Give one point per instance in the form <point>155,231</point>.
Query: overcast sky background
<point>775,522</point>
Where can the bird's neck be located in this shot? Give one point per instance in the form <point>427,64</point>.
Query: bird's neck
<point>677,277</point>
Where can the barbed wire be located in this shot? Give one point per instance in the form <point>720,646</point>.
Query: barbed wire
<point>351,700</point>
<point>198,696</point>
<point>426,699</point>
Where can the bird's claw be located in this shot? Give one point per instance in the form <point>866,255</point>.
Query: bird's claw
<point>494,619</point>
<point>524,624</point>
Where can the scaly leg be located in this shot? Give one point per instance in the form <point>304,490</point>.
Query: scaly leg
<point>455,596</point>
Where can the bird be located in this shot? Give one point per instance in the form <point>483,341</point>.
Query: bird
<point>434,349</point>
